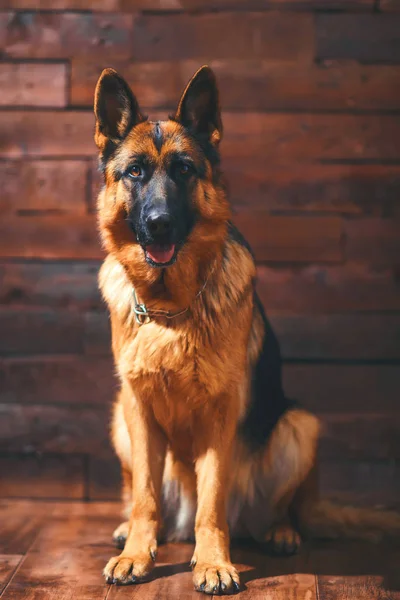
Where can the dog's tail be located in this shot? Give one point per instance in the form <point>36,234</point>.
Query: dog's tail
<point>329,520</point>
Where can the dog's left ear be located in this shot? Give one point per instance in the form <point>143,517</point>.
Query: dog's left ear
<point>115,107</point>
<point>198,108</point>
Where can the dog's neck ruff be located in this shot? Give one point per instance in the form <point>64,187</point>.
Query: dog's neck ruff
<point>144,315</point>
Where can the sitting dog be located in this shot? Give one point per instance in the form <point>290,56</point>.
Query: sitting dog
<point>209,444</point>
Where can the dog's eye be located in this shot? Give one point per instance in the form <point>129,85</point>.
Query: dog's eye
<point>183,169</point>
<point>135,171</point>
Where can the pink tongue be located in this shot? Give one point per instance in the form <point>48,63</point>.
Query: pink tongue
<point>160,254</point>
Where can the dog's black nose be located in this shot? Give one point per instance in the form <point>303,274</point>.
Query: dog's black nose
<point>158,224</point>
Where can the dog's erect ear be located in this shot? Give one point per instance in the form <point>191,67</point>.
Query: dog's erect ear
<point>115,107</point>
<point>198,108</point>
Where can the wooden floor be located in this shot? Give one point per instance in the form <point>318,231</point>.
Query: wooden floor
<point>56,551</point>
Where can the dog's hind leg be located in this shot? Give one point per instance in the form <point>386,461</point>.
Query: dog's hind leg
<point>291,456</point>
<point>274,485</point>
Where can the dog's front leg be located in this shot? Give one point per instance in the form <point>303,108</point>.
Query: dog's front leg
<point>148,448</point>
<point>213,572</point>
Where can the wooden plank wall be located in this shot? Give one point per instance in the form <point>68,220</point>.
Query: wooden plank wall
<point>311,96</point>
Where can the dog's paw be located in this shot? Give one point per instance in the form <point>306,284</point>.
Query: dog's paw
<point>120,535</point>
<point>215,579</point>
<point>124,570</point>
<point>283,540</point>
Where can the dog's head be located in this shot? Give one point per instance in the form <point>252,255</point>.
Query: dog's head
<point>162,189</point>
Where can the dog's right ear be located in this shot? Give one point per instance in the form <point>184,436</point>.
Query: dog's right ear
<point>115,107</point>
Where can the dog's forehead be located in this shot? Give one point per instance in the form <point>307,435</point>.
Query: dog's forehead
<point>158,139</point>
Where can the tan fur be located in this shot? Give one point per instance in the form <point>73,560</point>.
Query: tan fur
<point>185,382</point>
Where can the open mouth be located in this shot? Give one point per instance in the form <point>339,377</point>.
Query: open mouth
<point>160,255</point>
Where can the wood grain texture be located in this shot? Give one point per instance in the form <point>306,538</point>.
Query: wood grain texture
<point>45,185</point>
<point>357,482</point>
<point>80,430</point>
<point>275,138</point>
<point>68,542</point>
<point>291,239</point>
<point>21,522</point>
<point>338,337</point>
<point>345,572</point>
<point>8,565</point>
<point>59,35</point>
<point>360,436</point>
<point>71,380</point>
<point>54,429</point>
<point>40,331</point>
<point>33,84</point>
<point>250,35</point>
<point>321,289</point>
<point>389,5</point>
<point>50,283</point>
<point>50,236</point>
<point>179,5</point>
<point>344,388</point>
<point>350,190</point>
<point>42,477</point>
<point>374,241</point>
<point>352,287</point>
<point>366,37</point>
<point>273,238</point>
<point>252,84</point>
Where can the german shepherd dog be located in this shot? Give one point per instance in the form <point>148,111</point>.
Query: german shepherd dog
<point>208,442</point>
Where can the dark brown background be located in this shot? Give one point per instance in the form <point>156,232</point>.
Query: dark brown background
<point>311,96</point>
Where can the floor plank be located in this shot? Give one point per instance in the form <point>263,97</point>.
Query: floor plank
<point>21,521</point>
<point>63,547</point>
<point>353,571</point>
<point>65,561</point>
<point>8,564</point>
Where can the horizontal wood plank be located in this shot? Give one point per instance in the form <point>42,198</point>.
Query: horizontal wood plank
<point>43,185</point>
<point>359,482</point>
<point>71,380</point>
<point>104,476</point>
<point>275,138</point>
<point>274,238</point>
<point>50,237</point>
<point>279,36</point>
<point>343,388</point>
<point>61,35</point>
<point>374,241</point>
<point>292,239</point>
<point>371,190</point>
<point>355,482</point>
<point>318,289</point>
<point>42,477</point>
<point>338,337</point>
<point>365,37</point>
<point>54,429</point>
<point>30,84</point>
<point>68,429</point>
<point>50,283</point>
<point>253,84</point>
<point>360,436</point>
<point>352,287</point>
<point>389,5</point>
<point>92,382</point>
<point>41,331</point>
<point>179,5</point>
